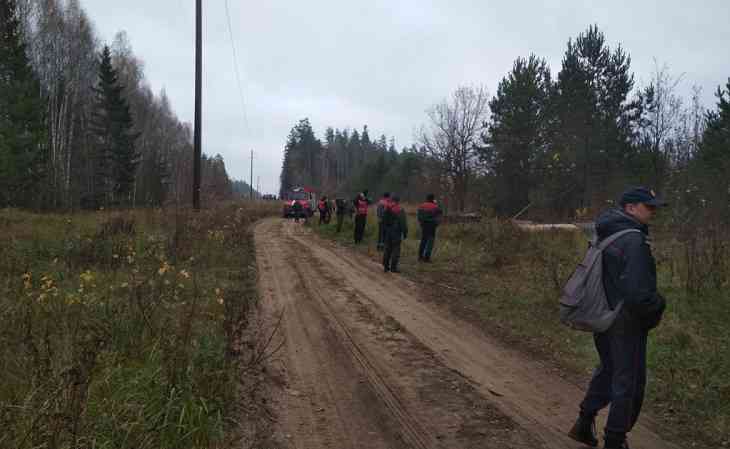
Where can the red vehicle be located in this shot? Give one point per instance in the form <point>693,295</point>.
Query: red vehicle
<point>301,195</point>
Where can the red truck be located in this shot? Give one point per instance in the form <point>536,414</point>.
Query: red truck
<point>301,195</point>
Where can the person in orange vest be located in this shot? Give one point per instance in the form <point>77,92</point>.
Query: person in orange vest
<point>324,210</point>
<point>382,205</point>
<point>429,217</point>
<point>395,229</point>
<point>361,204</point>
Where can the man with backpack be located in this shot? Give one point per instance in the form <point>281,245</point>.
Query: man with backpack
<point>382,205</point>
<point>395,229</point>
<point>629,281</point>
<point>429,217</point>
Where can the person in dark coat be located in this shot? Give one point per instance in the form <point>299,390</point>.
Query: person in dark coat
<point>361,204</point>
<point>395,229</point>
<point>629,277</point>
<point>429,217</point>
<point>382,204</point>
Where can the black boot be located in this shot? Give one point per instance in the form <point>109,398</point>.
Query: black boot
<point>616,441</point>
<point>584,431</point>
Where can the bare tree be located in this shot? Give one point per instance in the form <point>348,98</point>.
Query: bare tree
<point>664,110</point>
<point>453,134</point>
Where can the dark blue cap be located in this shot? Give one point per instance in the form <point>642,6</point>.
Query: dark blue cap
<point>641,195</point>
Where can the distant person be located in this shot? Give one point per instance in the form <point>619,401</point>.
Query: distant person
<point>382,204</point>
<point>341,210</point>
<point>429,217</point>
<point>395,229</point>
<point>297,210</point>
<point>629,277</point>
<point>361,204</point>
<point>323,206</point>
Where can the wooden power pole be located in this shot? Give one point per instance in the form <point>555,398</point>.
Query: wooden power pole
<point>198,101</point>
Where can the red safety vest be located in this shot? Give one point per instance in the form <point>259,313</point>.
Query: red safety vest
<point>362,207</point>
<point>322,205</point>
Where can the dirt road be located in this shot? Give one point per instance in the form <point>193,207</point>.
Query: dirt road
<point>366,363</point>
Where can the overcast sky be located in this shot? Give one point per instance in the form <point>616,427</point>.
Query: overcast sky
<point>384,62</point>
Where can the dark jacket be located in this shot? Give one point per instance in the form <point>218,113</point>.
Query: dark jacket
<point>395,223</point>
<point>629,273</point>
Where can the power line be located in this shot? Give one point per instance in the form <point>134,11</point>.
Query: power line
<point>235,63</point>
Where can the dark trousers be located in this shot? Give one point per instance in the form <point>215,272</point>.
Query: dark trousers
<point>391,255</point>
<point>619,380</point>
<point>381,237</point>
<point>428,237</point>
<point>340,219</point>
<point>359,227</point>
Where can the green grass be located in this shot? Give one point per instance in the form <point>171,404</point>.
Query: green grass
<point>124,327</point>
<point>509,281</point>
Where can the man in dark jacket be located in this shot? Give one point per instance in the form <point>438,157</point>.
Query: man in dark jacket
<point>629,277</point>
<point>429,217</point>
<point>382,205</point>
<point>395,229</point>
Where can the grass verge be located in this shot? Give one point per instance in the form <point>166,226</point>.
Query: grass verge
<point>129,329</point>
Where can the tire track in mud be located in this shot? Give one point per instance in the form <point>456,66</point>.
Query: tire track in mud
<point>413,433</point>
<point>411,399</point>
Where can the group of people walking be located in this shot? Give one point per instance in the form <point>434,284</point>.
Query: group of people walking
<point>392,224</point>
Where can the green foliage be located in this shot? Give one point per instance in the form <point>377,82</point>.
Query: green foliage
<point>518,132</point>
<point>22,128</point>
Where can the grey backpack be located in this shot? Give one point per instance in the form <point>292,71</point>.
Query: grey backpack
<point>583,305</point>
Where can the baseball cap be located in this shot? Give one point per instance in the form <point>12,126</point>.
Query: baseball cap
<point>642,195</point>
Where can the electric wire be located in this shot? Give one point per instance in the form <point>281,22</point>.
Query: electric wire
<point>235,64</point>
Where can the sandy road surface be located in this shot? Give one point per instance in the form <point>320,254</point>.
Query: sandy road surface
<point>367,364</point>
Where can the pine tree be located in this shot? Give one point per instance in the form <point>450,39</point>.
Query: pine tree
<point>116,158</point>
<point>518,131</point>
<point>594,117</point>
<point>22,126</point>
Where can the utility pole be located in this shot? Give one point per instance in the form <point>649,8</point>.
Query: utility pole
<point>251,179</point>
<point>198,103</point>
<point>258,185</point>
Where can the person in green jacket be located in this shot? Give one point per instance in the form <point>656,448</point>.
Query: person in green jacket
<point>395,229</point>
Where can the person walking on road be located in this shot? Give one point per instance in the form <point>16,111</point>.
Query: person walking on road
<point>323,206</point>
<point>629,280</point>
<point>429,217</point>
<point>395,229</point>
<point>382,205</point>
<point>361,215</point>
<point>297,210</point>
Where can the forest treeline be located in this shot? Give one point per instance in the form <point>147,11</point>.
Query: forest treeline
<point>551,146</point>
<point>80,126</point>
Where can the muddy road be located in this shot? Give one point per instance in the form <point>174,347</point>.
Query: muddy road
<point>366,363</point>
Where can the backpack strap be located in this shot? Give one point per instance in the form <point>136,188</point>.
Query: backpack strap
<point>603,244</point>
